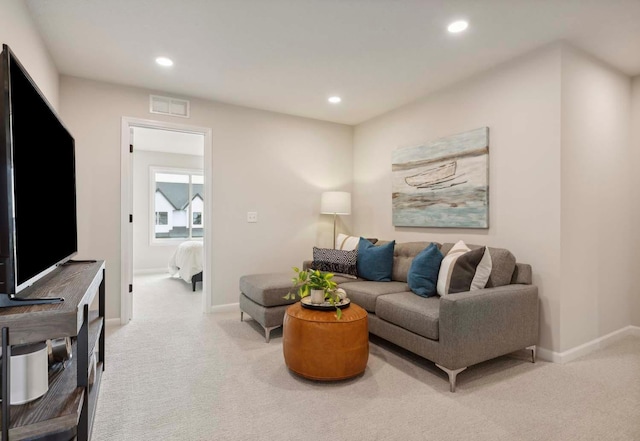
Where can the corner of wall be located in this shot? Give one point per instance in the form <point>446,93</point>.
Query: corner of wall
<point>635,192</point>
<point>595,166</point>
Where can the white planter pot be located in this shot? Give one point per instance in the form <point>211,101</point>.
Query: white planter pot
<point>317,296</point>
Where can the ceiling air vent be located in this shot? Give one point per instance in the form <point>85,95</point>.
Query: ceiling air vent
<point>165,105</point>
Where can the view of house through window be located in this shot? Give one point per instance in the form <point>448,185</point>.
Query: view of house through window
<point>178,203</point>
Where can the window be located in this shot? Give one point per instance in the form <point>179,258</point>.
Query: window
<point>178,202</point>
<point>162,218</point>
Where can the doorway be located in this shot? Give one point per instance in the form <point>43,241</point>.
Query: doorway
<point>166,205</point>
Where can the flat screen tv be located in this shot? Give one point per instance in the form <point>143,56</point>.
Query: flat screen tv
<point>38,223</point>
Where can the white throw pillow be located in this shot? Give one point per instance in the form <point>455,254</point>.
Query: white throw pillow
<point>446,267</point>
<point>483,271</point>
<point>347,243</point>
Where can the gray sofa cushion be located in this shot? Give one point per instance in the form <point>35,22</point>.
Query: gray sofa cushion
<point>522,274</point>
<point>340,278</point>
<point>414,313</point>
<point>403,255</point>
<point>503,262</point>
<point>268,289</point>
<point>365,293</point>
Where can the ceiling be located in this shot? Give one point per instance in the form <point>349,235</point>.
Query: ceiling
<point>289,56</point>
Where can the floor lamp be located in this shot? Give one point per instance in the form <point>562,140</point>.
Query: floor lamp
<point>335,202</point>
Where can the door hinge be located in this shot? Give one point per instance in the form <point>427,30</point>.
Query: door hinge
<point>131,218</point>
<point>130,148</point>
<point>130,287</point>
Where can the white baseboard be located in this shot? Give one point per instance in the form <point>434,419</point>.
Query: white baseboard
<point>548,355</point>
<point>112,322</point>
<point>229,307</point>
<point>587,348</point>
<point>137,272</point>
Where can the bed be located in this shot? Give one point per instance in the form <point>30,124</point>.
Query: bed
<point>186,262</point>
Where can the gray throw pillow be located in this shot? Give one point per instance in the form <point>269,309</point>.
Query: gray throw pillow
<point>504,264</point>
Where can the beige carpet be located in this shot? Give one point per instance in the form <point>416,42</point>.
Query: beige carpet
<point>176,374</point>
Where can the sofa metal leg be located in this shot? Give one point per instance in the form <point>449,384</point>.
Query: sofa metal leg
<point>452,373</point>
<point>241,316</point>
<point>533,352</point>
<point>267,332</point>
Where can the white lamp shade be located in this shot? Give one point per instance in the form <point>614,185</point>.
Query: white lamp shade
<point>335,202</point>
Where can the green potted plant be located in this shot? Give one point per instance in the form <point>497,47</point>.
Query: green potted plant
<point>317,284</point>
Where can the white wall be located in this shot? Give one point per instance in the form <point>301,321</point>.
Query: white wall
<point>18,30</point>
<point>596,200</point>
<point>145,255</point>
<point>277,165</point>
<point>635,198</point>
<point>520,103</point>
<point>563,197</point>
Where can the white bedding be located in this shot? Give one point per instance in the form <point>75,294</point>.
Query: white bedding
<point>186,260</point>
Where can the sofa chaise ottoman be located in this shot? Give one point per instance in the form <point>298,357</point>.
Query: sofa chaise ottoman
<point>262,298</point>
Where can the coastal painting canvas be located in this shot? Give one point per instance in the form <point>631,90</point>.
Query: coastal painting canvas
<point>443,183</point>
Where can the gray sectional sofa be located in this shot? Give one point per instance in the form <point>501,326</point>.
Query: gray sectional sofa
<point>454,331</point>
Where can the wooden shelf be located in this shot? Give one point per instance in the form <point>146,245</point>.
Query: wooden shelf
<point>78,284</point>
<point>67,409</point>
<point>56,411</point>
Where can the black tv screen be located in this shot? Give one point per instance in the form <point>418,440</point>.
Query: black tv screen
<point>40,161</point>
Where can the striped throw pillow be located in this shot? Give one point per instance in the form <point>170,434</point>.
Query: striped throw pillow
<point>464,270</point>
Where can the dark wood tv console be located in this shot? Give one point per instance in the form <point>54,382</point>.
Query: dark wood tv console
<point>67,410</point>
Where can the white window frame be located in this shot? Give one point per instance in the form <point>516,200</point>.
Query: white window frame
<point>153,169</point>
<point>193,224</point>
<point>159,212</point>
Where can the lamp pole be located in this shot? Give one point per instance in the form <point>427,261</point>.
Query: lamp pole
<point>335,202</point>
<point>334,230</point>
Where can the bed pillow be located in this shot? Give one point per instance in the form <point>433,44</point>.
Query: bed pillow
<point>375,262</point>
<point>423,272</point>
<point>464,270</point>
<point>339,262</point>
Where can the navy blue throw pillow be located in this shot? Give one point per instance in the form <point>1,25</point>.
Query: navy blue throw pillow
<point>423,273</point>
<point>375,262</point>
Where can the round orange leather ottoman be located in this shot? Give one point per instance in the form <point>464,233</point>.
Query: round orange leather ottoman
<point>318,346</point>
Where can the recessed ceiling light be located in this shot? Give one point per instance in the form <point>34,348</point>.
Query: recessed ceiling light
<point>164,61</point>
<point>458,26</point>
<point>335,99</point>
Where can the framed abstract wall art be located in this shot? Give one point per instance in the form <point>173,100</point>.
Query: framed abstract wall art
<point>443,183</point>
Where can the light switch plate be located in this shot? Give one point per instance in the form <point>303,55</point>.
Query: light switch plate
<point>252,217</point>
